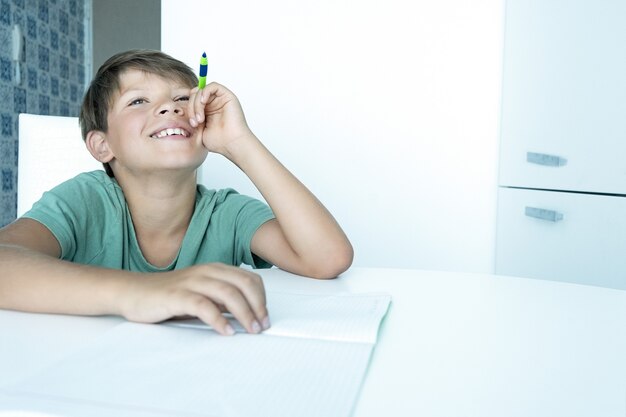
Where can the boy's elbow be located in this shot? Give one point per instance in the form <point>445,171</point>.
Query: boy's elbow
<point>334,263</point>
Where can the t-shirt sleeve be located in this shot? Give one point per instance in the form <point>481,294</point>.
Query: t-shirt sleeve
<point>55,213</point>
<point>248,214</point>
<point>69,211</point>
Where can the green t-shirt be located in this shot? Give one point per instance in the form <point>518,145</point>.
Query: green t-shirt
<point>90,218</point>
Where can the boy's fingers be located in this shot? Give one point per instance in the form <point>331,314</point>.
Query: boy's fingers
<point>252,288</point>
<point>191,107</point>
<point>201,100</point>
<point>236,303</point>
<point>196,106</point>
<point>213,289</point>
<point>199,106</point>
<point>201,307</point>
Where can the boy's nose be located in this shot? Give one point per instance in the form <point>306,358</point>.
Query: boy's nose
<point>172,107</point>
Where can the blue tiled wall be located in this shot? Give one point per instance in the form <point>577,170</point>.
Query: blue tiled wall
<point>52,75</point>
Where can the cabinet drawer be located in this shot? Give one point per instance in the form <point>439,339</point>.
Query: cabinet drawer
<point>577,166</point>
<point>562,236</point>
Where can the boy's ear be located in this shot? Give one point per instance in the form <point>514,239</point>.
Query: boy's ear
<point>98,146</point>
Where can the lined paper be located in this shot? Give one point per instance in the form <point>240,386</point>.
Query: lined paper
<point>312,363</point>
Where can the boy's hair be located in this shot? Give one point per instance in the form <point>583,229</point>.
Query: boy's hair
<point>106,83</point>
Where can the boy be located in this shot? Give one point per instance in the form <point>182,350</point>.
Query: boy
<point>143,240</point>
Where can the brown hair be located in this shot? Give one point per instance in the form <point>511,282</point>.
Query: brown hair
<point>99,96</point>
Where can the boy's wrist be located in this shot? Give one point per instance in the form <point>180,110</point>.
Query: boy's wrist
<point>130,294</point>
<point>122,292</point>
<point>240,150</point>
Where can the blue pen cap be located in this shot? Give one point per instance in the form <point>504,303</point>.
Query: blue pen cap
<point>203,65</point>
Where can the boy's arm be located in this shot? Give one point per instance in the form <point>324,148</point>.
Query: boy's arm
<point>33,279</point>
<point>304,238</point>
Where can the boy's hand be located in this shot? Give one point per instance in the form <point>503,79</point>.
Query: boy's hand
<point>217,115</point>
<point>203,291</point>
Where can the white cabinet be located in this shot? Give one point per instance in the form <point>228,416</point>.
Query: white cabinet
<point>563,236</point>
<point>563,131</point>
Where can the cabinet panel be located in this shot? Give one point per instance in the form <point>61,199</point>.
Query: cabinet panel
<point>562,236</point>
<point>564,96</point>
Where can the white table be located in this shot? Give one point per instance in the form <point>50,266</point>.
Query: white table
<point>452,344</point>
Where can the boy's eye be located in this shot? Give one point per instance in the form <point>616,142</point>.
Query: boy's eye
<point>182,98</point>
<point>137,101</point>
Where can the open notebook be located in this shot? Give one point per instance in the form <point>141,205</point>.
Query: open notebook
<point>311,362</point>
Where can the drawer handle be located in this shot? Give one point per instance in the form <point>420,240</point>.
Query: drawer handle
<point>543,214</point>
<point>545,159</point>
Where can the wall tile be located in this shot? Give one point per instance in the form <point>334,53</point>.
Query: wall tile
<point>5,13</point>
<point>6,122</point>
<point>43,10</point>
<point>6,70</point>
<point>32,78</point>
<point>7,179</point>
<point>19,100</point>
<point>6,152</point>
<point>54,39</point>
<point>52,75</point>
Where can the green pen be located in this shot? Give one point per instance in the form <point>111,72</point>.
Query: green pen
<point>204,63</point>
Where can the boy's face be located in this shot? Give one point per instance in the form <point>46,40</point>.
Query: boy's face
<point>148,126</point>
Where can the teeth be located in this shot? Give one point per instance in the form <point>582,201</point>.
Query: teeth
<point>169,132</point>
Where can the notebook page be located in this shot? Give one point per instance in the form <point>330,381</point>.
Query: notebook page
<point>139,369</point>
<point>339,317</point>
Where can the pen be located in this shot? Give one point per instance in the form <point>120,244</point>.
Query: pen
<point>204,63</point>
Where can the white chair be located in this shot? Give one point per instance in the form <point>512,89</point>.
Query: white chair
<point>51,150</point>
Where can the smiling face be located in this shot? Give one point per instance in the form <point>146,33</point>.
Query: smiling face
<point>148,129</point>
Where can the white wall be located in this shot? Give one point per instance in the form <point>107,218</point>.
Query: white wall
<point>388,111</point>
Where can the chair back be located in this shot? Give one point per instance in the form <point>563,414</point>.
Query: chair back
<point>51,150</point>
